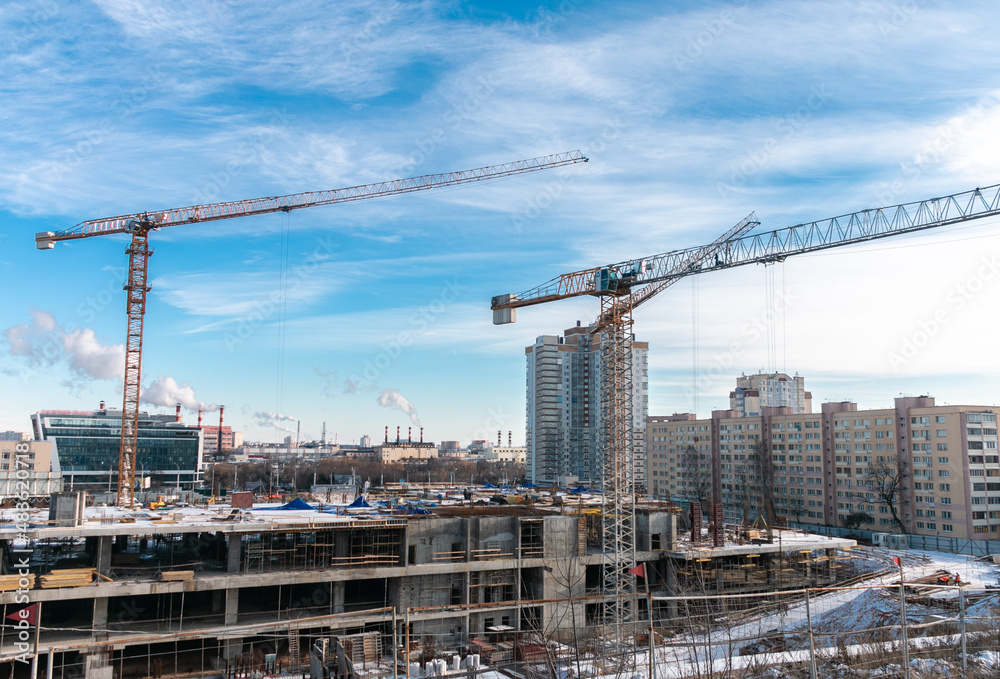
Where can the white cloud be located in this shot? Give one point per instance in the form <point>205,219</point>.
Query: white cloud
<point>44,343</point>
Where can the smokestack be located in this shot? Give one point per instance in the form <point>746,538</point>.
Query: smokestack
<point>510,439</point>
<point>397,434</point>
<point>298,431</point>
<point>386,433</point>
<point>199,417</point>
<point>102,405</point>
<point>421,434</point>
<point>177,414</point>
<point>499,438</point>
<point>409,435</point>
<point>222,411</point>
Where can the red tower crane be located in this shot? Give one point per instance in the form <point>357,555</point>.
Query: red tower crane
<point>140,225</point>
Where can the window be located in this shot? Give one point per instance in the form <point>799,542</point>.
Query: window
<point>940,419</point>
<point>946,527</point>
<point>943,473</point>
<point>944,487</point>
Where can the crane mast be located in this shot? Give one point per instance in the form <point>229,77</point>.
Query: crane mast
<point>623,286</point>
<point>140,225</point>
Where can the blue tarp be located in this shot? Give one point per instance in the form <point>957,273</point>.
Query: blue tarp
<point>410,509</point>
<point>580,489</point>
<point>360,502</point>
<point>528,484</point>
<point>489,486</point>
<point>297,504</point>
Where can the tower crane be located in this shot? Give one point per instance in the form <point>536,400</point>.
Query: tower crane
<point>139,226</point>
<point>623,286</point>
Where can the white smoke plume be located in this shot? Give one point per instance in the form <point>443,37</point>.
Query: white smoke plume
<point>267,419</point>
<point>45,343</point>
<point>390,398</point>
<point>164,391</point>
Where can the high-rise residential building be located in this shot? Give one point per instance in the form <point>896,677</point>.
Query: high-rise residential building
<point>88,445</point>
<point>918,467</point>
<point>769,390</point>
<point>564,407</point>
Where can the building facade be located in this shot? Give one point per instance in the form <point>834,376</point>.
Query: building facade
<point>563,420</point>
<point>916,467</point>
<point>87,445</point>
<point>769,390</point>
<point>26,467</point>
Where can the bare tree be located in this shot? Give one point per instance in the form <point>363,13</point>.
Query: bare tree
<point>888,482</point>
<point>698,474</point>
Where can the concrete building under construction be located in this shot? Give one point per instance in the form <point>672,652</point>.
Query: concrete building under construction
<point>216,590</point>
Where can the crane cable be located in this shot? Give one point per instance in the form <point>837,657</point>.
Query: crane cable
<point>694,344</point>
<point>281,312</point>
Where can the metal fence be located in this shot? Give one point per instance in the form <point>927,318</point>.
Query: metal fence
<point>932,543</point>
<point>940,631</point>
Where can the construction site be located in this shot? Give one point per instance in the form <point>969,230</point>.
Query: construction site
<point>217,590</point>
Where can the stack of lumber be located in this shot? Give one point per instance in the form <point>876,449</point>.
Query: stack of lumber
<point>176,576</point>
<point>9,583</point>
<point>68,577</point>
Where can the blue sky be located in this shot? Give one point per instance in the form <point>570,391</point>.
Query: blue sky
<point>692,115</point>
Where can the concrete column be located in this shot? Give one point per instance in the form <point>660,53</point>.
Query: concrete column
<point>234,556</point>
<point>100,615</point>
<point>232,606</point>
<point>338,596</point>
<point>95,668</point>
<point>103,560</point>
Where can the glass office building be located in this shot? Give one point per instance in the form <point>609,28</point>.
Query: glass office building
<point>88,444</point>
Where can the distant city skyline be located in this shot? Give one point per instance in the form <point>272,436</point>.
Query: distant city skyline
<point>377,313</point>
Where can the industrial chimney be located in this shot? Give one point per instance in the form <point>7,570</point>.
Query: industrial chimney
<point>510,439</point>
<point>102,405</point>
<point>499,438</point>
<point>397,435</point>
<point>222,411</point>
<point>421,434</point>
<point>199,418</point>
<point>409,435</point>
<point>177,414</point>
<point>386,433</point>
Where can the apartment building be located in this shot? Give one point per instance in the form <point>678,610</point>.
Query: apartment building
<point>918,467</point>
<point>564,407</point>
<point>769,390</point>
